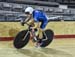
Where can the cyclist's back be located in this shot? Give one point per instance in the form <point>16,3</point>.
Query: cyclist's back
<point>39,16</point>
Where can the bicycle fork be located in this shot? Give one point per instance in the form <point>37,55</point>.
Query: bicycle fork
<point>25,35</point>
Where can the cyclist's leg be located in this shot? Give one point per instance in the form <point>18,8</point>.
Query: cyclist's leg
<point>40,33</point>
<point>41,29</point>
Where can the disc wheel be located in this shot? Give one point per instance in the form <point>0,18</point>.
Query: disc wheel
<point>50,34</point>
<point>21,39</point>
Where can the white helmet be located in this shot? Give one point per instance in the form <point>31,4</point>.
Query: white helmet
<point>29,9</point>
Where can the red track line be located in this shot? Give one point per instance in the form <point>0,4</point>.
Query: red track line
<point>6,38</point>
<point>56,37</point>
<point>64,36</point>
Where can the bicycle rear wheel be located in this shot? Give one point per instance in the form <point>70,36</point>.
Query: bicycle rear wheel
<point>50,34</point>
<point>21,39</point>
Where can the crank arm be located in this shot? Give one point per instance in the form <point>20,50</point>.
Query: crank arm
<point>45,37</point>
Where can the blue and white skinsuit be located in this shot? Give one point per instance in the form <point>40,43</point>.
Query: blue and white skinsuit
<point>40,16</point>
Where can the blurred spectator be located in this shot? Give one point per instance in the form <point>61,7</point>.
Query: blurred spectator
<point>3,0</point>
<point>41,0</point>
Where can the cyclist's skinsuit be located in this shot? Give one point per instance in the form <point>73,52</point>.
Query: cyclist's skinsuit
<point>39,16</point>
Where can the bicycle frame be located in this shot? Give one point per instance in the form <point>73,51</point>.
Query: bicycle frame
<point>32,31</point>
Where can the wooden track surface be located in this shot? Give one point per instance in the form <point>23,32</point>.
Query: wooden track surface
<point>10,29</point>
<point>58,48</point>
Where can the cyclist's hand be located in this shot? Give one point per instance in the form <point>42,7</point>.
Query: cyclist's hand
<point>32,24</point>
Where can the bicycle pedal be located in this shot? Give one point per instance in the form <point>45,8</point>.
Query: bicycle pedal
<point>44,39</point>
<point>38,45</point>
<point>35,39</point>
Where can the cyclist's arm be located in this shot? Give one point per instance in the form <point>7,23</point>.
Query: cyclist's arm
<point>27,19</point>
<point>37,25</point>
<point>31,22</point>
<point>34,24</point>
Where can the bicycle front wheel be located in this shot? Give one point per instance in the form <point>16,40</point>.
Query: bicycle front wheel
<point>21,39</point>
